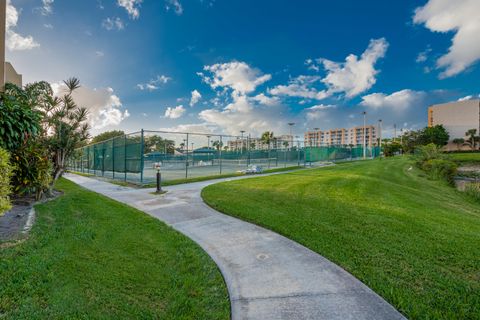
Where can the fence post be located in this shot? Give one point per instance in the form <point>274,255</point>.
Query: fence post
<point>142,146</point>
<point>125,155</point>
<point>186,160</point>
<point>220,154</point>
<point>113,158</point>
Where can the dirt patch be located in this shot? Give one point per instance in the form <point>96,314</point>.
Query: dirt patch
<point>15,223</point>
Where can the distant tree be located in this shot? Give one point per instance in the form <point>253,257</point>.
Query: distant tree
<point>159,144</point>
<point>107,135</point>
<point>391,148</point>
<point>286,144</point>
<point>267,138</point>
<point>459,142</point>
<point>217,144</point>
<point>410,140</point>
<point>437,135</point>
<point>472,138</point>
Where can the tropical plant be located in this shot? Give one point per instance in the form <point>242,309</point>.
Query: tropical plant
<point>267,137</point>
<point>459,142</point>
<point>437,135</point>
<point>217,144</point>
<point>64,123</point>
<point>157,143</point>
<point>472,138</point>
<point>19,120</point>
<point>440,169</point>
<point>5,173</point>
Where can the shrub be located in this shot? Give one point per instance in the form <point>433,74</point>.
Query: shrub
<point>440,169</point>
<point>428,152</point>
<point>5,174</point>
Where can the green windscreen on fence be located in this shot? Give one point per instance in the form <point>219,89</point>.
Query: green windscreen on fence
<point>334,153</point>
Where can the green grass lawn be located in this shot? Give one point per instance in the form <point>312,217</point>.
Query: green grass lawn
<point>414,241</point>
<point>89,257</point>
<point>466,157</point>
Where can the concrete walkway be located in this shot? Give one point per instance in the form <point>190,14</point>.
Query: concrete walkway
<point>268,276</point>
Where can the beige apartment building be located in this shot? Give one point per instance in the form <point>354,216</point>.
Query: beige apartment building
<point>281,142</point>
<point>341,136</point>
<point>7,72</point>
<point>457,117</point>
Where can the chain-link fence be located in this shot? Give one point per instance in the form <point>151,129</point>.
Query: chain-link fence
<point>132,157</point>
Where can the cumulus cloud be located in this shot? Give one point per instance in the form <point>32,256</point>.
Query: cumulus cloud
<point>460,17</point>
<point>196,96</point>
<point>174,5</point>
<point>266,100</point>
<point>301,86</point>
<point>174,112</point>
<point>113,24</point>
<point>104,107</point>
<point>237,76</point>
<point>469,97</point>
<point>355,75</point>
<point>397,101</point>
<point>132,7</point>
<point>155,83</point>
<point>15,41</point>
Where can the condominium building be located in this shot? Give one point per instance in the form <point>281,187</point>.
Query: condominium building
<point>457,117</point>
<point>280,142</point>
<point>7,72</point>
<point>341,136</point>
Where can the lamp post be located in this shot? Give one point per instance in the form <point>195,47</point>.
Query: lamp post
<point>364,134</point>
<point>394,132</point>
<point>208,148</point>
<point>380,133</point>
<point>291,124</point>
<point>241,150</point>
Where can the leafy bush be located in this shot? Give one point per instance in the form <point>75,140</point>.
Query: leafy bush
<point>33,172</point>
<point>440,169</point>
<point>429,152</point>
<point>5,174</point>
<point>390,149</point>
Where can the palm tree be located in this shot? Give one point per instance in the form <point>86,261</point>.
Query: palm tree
<point>459,142</point>
<point>217,144</point>
<point>267,138</point>
<point>471,137</point>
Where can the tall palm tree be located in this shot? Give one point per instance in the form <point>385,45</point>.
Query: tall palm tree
<point>472,138</point>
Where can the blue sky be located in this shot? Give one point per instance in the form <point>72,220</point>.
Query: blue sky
<point>225,66</point>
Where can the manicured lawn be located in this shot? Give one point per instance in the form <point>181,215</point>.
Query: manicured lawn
<point>466,157</point>
<point>89,257</point>
<point>414,241</point>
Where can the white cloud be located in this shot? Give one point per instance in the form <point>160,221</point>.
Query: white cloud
<point>47,7</point>
<point>470,97</point>
<point>175,5</point>
<point>460,17</point>
<point>317,111</point>
<point>397,101</point>
<point>99,54</point>
<point>48,26</point>
<point>15,41</point>
<point>300,87</point>
<point>423,56</point>
<point>355,75</point>
<point>196,96</point>
<point>238,76</point>
<point>103,105</point>
<point>174,112</point>
<point>132,7</point>
<point>266,100</point>
<point>154,84</point>
<point>113,24</point>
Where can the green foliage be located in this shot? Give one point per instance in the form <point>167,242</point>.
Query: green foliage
<point>435,163</point>
<point>5,174</point>
<point>107,135</point>
<point>459,142</point>
<point>33,171</point>
<point>439,169</point>
<point>267,137</point>
<point>391,148</point>
<point>158,144</point>
<point>437,135</point>
<point>19,120</point>
<point>472,138</point>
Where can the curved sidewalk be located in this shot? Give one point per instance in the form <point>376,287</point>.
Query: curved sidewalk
<point>268,276</point>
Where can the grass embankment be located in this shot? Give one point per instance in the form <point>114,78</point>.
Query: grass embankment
<point>414,241</point>
<point>90,257</point>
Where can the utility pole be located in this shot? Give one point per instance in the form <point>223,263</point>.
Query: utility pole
<point>364,134</point>
<point>242,132</point>
<point>394,132</point>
